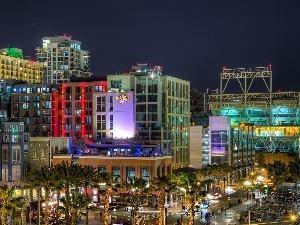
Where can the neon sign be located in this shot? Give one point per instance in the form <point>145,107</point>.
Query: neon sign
<point>122,99</point>
<point>77,46</point>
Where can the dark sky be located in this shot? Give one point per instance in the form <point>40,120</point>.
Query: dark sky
<point>191,39</point>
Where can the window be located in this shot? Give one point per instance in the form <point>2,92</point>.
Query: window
<point>26,98</point>
<point>4,156</point>
<point>116,174</point>
<point>16,106</point>
<point>116,84</point>
<point>140,88</point>
<point>101,169</point>
<point>88,105</point>
<point>111,103</point>
<point>88,119</point>
<point>130,173</point>
<point>140,108</point>
<point>25,105</point>
<point>101,121</point>
<point>98,88</point>
<point>111,122</point>
<point>101,104</point>
<point>36,113</point>
<point>16,156</point>
<point>36,105</point>
<point>34,153</point>
<point>43,152</point>
<point>101,135</point>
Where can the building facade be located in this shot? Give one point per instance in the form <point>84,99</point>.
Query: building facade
<point>15,150</point>
<point>14,66</point>
<point>34,105</point>
<point>63,58</point>
<point>75,109</point>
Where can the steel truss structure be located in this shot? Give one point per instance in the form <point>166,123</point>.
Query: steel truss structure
<point>273,116</point>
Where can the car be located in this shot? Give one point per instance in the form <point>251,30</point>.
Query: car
<point>93,204</point>
<point>214,196</point>
<point>217,195</point>
<point>113,205</point>
<point>130,208</point>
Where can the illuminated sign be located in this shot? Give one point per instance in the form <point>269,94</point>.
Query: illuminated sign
<point>122,99</point>
<point>14,52</point>
<point>77,46</point>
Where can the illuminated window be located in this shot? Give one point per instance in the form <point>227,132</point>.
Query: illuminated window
<point>116,84</point>
<point>4,156</point>
<point>16,156</point>
<point>98,88</point>
<point>34,153</point>
<point>26,99</point>
<point>43,152</point>
<point>25,105</point>
<point>130,173</point>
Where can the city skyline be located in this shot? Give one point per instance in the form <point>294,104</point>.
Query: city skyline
<point>192,41</point>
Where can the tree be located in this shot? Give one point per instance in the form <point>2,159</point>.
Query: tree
<point>72,204</point>
<point>47,178</point>
<point>106,178</point>
<point>164,185</point>
<point>87,175</point>
<point>15,204</point>
<point>70,173</point>
<point>294,169</point>
<point>260,160</point>
<point>191,183</point>
<point>135,186</point>
<point>9,203</point>
<point>220,172</point>
<point>277,172</point>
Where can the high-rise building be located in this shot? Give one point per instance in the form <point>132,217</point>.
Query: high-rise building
<point>14,66</point>
<point>63,58</point>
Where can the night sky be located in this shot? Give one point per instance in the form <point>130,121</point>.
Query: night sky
<point>191,39</point>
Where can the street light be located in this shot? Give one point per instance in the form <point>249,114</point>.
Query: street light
<point>293,218</point>
<point>247,184</point>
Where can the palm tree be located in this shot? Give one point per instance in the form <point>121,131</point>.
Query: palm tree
<point>106,178</point>
<point>87,175</point>
<point>136,186</point>
<point>70,172</point>
<point>6,195</point>
<point>48,178</point>
<point>163,185</point>
<point>191,182</point>
<point>72,204</point>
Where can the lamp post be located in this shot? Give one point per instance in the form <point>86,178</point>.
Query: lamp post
<point>39,206</point>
